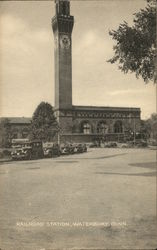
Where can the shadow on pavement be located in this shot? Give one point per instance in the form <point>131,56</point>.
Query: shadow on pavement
<point>150,165</point>
<point>97,158</point>
<point>64,161</point>
<point>148,174</point>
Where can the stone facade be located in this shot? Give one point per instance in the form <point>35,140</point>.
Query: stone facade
<point>82,123</point>
<point>85,123</point>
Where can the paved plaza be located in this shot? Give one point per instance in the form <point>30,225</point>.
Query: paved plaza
<point>102,199</point>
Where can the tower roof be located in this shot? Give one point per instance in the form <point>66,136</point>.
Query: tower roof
<point>62,7</point>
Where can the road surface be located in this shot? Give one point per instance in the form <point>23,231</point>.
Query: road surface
<point>102,199</point>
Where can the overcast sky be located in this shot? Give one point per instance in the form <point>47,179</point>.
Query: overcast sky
<point>27,57</point>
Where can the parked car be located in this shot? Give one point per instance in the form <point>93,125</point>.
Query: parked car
<point>71,148</point>
<point>141,143</point>
<point>26,150</point>
<point>93,145</point>
<point>110,145</point>
<point>81,148</point>
<point>84,147</point>
<point>125,145</point>
<point>64,149</point>
<point>74,148</point>
<point>51,149</point>
<point>152,144</point>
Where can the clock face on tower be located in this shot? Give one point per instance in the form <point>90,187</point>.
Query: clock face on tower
<point>64,42</point>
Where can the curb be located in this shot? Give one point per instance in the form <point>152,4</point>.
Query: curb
<point>4,161</point>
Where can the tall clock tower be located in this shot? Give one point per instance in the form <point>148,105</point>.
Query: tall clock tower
<point>62,25</point>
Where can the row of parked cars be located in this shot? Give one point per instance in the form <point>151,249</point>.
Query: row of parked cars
<point>24,149</point>
<point>51,149</point>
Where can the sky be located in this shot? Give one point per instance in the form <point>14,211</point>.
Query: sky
<point>27,57</point>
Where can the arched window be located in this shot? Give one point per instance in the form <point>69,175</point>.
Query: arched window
<point>86,128</point>
<point>102,128</point>
<point>118,127</point>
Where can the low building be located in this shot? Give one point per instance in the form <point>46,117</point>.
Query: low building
<point>14,128</point>
<point>88,124</point>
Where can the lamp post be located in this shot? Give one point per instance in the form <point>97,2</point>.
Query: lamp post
<point>134,132</point>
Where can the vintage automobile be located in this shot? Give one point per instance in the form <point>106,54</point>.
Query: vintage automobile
<point>64,149</point>
<point>51,149</point>
<point>80,148</point>
<point>93,145</point>
<point>152,144</point>
<point>110,145</point>
<point>75,146</point>
<point>71,148</point>
<point>84,147</point>
<point>24,149</point>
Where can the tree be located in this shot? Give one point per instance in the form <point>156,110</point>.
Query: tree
<point>135,49</point>
<point>145,129</point>
<point>152,123</point>
<point>44,125</point>
<point>149,127</point>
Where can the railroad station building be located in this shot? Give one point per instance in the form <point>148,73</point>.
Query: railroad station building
<point>82,123</point>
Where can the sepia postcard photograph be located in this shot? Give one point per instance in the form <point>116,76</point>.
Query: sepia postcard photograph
<point>78,125</point>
